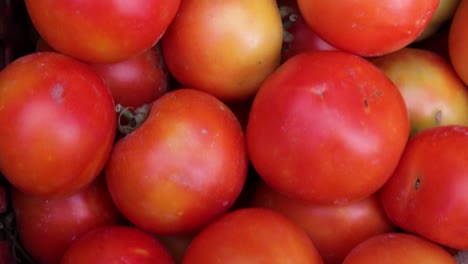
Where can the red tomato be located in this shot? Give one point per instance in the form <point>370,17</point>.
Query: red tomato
<point>183,167</point>
<point>136,81</point>
<point>117,244</point>
<point>102,31</point>
<point>252,235</point>
<point>334,229</point>
<point>398,248</point>
<point>426,194</point>
<point>224,47</point>
<point>60,124</point>
<point>458,41</point>
<point>368,28</point>
<point>328,127</point>
<point>433,92</point>
<point>47,227</point>
<point>298,36</point>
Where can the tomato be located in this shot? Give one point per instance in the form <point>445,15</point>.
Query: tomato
<point>458,41</point>
<point>334,229</point>
<point>101,31</point>
<point>224,47</point>
<point>182,168</point>
<point>60,124</point>
<point>299,37</point>
<point>398,248</point>
<point>368,28</point>
<point>328,127</point>
<point>426,193</point>
<point>433,92</point>
<point>133,82</point>
<point>48,227</point>
<point>138,80</point>
<point>252,235</point>
<point>444,12</point>
<point>117,244</point>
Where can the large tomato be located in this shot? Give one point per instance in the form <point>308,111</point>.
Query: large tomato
<point>427,194</point>
<point>327,127</point>
<point>47,227</point>
<point>334,229</point>
<point>101,31</point>
<point>368,28</point>
<point>60,124</point>
<point>183,167</point>
<point>224,47</point>
<point>458,41</point>
<point>398,248</point>
<point>117,244</point>
<point>252,235</point>
<point>433,92</point>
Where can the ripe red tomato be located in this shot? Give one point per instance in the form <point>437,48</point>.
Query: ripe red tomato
<point>183,167</point>
<point>102,31</point>
<point>458,41</point>
<point>224,47</point>
<point>433,92</point>
<point>60,124</point>
<point>48,227</point>
<point>117,244</point>
<point>298,36</point>
<point>426,195</point>
<point>398,248</point>
<point>252,235</point>
<point>334,229</point>
<point>328,127</point>
<point>138,80</point>
<point>368,28</point>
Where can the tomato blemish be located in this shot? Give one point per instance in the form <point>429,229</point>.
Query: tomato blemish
<point>417,183</point>
<point>56,93</point>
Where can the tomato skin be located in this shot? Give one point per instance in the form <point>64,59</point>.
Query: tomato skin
<point>114,244</point>
<point>187,162</point>
<point>101,31</point>
<point>426,192</point>
<point>319,126</point>
<point>433,92</point>
<point>458,41</point>
<point>48,227</point>
<point>252,235</point>
<point>368,28</point>
<point>401,248</point>
<point>334,229</point>
<point>136,81</point>
<point>61,124</point>
<point>228,60</point>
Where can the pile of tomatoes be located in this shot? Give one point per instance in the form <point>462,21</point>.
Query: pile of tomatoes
<point>237,131</point>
